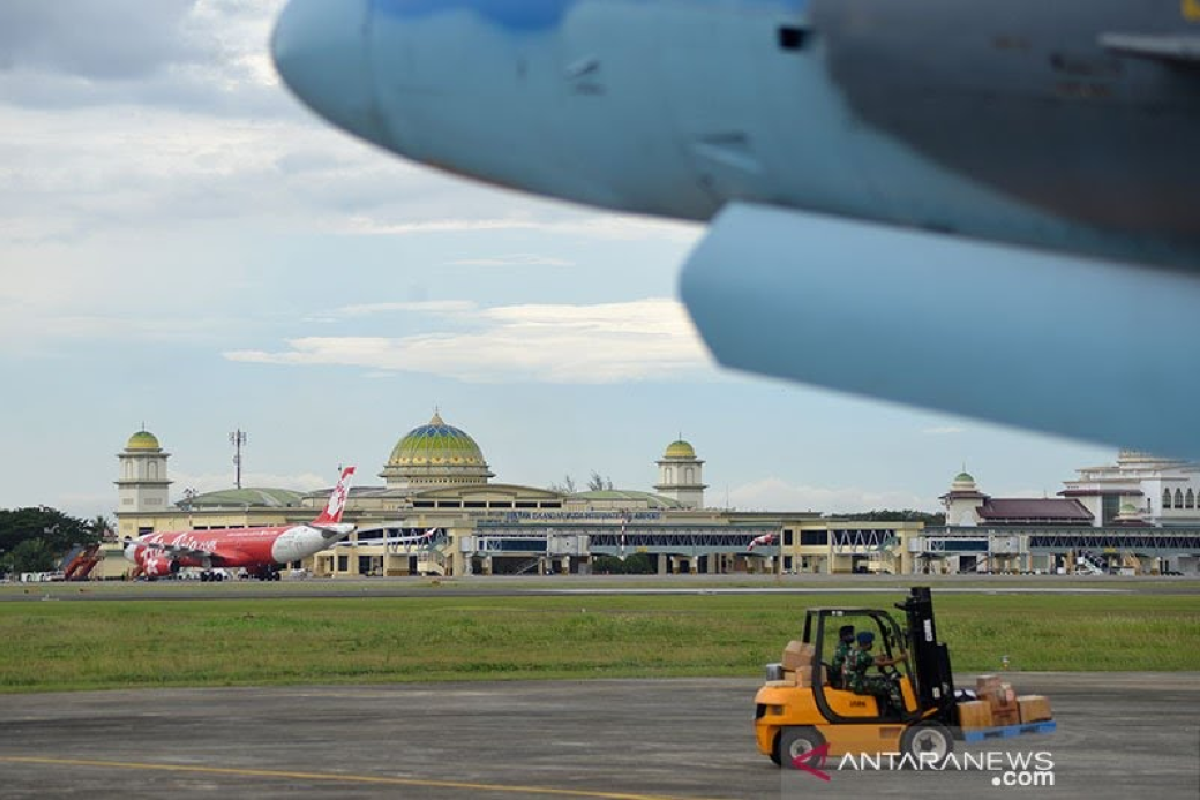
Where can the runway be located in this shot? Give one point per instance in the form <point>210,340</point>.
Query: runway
<point>549,586</point>
<point>1119,735</point>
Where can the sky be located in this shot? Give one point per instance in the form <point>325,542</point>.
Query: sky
<point>184,247</point>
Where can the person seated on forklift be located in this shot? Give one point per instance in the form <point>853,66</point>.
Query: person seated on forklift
<point>841,657</point>
<point>877,685</point>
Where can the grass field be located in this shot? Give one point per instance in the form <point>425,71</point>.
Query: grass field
<point>264,641</point>
<point>850,583</point>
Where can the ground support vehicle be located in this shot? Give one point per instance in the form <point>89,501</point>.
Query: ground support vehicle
<point>809,709</point>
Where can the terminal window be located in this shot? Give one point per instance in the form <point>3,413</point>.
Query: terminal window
<point>814,537</point>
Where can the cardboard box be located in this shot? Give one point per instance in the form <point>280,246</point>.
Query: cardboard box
<point>1009,715</point>
<point>997,693</point>
<point>799,677</point>
<point>798,654</point>
<point>975,714</point>
<point>1034,708</point>
<point>987,684</point>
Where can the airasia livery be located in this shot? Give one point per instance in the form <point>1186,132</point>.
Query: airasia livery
<point>259,551</point>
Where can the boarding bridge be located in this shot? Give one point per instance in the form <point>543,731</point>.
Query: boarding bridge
<point>677,548</point>
<point>616,540</point>
<point>524,544</point>
<point>1091,550</point>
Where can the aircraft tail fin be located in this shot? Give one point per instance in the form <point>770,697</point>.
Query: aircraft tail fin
<point>332,514</point>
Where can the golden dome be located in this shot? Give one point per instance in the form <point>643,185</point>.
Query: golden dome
<point>436,443</point>
<point>680,449</point>
<point>143,440</point>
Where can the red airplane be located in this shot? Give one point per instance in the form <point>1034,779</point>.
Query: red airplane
<point>259,550</point>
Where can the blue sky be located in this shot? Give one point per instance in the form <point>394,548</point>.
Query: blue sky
<point>183,245</point>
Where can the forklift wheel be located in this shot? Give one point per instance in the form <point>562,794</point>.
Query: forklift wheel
<point>795,743</point>
<point>927,741</point>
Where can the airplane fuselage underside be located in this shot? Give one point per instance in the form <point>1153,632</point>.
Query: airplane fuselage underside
<point>1011,122</point>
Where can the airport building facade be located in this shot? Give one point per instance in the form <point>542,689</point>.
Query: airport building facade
<point>439,513</point>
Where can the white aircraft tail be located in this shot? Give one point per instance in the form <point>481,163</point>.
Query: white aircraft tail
<point>332,515</point>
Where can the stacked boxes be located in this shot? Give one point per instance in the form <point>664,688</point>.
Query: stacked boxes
<point>999,706</point>
<point>975,714</point>
<point>798,660</point>
<point>1001,699</point>
<point>1034,708</point>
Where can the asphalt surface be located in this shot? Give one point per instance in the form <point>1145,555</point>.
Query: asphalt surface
<point>513,586</point>
<point>1119,735</point>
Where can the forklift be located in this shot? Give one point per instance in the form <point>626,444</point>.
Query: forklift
<point>794,720</point>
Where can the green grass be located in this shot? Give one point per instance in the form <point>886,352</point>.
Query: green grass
<point>378,587</point>
<point>271,641</point>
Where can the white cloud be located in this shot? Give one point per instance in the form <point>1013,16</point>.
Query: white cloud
<point>775,494</point>
<point>212,482</point>
<point>515,260</point>
<point>199,53</point>
<point>417,306</point>
<point>1025,492</point>
<point>599,226</point>
<point>943,430</point>
<point>26,332</point>
<point>86,505</point>
<point>550,343</point>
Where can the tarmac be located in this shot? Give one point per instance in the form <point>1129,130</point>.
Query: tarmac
<point>559,585</point>
<point>1119,735</point>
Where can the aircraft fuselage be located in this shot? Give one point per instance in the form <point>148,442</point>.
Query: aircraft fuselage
<point>1024,122</point>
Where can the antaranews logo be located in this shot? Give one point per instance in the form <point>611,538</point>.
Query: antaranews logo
<point>813,761</point>
<point>1007,769</point>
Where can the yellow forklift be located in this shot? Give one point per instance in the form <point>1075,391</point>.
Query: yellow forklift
<point>795,717</point>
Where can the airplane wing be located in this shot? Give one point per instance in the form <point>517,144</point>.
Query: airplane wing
<point>1183,51</point>
<point>418,539</point>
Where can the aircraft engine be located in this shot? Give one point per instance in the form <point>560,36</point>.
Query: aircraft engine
<point>997,332</point>
<point>158,567</point>
<point>153,563</point>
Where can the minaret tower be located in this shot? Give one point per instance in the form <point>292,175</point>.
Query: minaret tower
<point>143,485</point>
<point>962,500</point>
<point>681,475</point>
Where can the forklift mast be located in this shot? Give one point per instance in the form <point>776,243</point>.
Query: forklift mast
<point>933,679</point>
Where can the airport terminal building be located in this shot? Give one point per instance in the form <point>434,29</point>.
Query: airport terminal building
<point>437,485</point>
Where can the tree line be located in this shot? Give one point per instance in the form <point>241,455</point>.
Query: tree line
<point>36,539</point>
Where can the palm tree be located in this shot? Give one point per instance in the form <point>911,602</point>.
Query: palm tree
<point>101,528</point>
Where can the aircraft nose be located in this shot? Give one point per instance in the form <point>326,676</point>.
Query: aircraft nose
<point>320,51</point>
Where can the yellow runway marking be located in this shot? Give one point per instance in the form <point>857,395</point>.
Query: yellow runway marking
<point>334,778</point>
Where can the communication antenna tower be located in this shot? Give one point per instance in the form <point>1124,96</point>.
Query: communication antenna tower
<point>237,439</point>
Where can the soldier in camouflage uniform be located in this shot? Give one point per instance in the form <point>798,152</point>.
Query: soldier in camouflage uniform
<point>878,685</point>
<point>839,669</point>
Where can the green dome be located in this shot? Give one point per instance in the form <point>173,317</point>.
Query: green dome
<point>436,443</point>
<point>1129,508</point>
<point>142,440</point>
<point>234,498</point>
<point>679,449</point>
<point>963,477</point>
